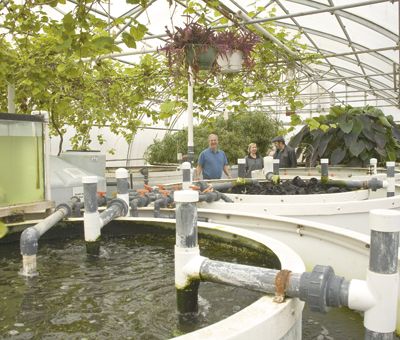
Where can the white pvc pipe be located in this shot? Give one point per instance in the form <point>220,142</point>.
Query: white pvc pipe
<point>360,296</point>
<point>381,317</point>
<point>190,115</point>
<point>91,217</point>
<point>186,175</point>
<point>123,174</point>
<point>92,226</point>
<point>390,166</point>
<point>373,162</point>
<point>183,270</point>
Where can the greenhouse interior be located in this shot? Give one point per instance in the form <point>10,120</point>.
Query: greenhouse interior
<point>200,169</point>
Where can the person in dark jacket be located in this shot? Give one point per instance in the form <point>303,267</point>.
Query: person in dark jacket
<point>253,160</point>
<point>285,153</point>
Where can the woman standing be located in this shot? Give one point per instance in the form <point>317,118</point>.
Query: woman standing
<point>253,160</point>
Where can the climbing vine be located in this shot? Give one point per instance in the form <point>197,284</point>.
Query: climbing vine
<point>54,66</point>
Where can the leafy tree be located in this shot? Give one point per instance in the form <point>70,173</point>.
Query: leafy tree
<point>54,66</point>
<point>234,134</point>
<point>348,135</point>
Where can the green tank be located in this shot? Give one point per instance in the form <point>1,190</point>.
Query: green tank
<point>21,155</point>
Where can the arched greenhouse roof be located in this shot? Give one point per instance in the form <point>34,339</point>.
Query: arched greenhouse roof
<point>358,42</point>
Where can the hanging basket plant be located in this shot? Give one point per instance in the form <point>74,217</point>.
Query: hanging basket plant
<point>192,45</point>
<point>200,47</point>
<point>234,49</point>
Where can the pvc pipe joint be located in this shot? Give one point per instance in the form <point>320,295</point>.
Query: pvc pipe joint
<point>121,173</point>
<point>187,265</point>
<point>89,179</point>
<point>384,220</point>
<point>186,196</point>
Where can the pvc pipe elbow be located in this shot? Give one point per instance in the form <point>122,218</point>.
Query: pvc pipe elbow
<point>360,297</point>
<point>29,241</point>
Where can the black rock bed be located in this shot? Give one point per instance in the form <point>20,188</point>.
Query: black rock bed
<point>295,186</point>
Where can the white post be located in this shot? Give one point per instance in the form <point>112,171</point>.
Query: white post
<point>383,275</point>
<point>91,217</point>
<point>186,250</point>
<point>121,175</point>
<point>186,175</point>
<point>190,116</point>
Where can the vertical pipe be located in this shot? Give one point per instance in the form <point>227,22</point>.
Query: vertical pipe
<point>276,166</point>
<point>373,162</point>
<point>382,275</point>
<point>11,98</point>
<point>121,175</point>
<point>190,116</point>
<point>46,156</point>
<point>186,248</point>
<point>324,170</point>
<point>241,167</point>
<point>186,175</point>
<point>91,217</point>
<point>390,179</point>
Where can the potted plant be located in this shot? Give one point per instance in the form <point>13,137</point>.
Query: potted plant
<point>234,49</point>
<point>192,45</point>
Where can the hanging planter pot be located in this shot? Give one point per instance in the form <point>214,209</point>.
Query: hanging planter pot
<point>230,62</point>
<point>200,57</point>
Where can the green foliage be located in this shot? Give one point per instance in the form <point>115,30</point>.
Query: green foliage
<point>54,66</point>
<point>234,134</point>
<point>350,136</point>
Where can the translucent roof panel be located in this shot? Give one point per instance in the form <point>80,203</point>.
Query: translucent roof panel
<point>359,38</point>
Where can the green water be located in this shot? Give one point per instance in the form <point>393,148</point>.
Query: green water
<point>128,292</point>
<point>21,170</point>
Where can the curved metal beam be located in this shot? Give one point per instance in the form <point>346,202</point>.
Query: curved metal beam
<point>350,16</point>
<point>335,38</point>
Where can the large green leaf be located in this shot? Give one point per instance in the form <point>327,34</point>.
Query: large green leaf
<point>296,139</point>
<point>384,121</point>
<point>337,156</point>
<point>380,139</point>
<point>325,139</point>
<point>346,125</point>
<point>128,40</point>
<point>396,132</point>
<point>357,147</point>
<point>350,138</point>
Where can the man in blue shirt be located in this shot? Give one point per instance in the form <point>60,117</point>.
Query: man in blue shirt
<point>212,161</point>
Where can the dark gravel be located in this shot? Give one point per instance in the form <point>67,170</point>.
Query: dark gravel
<point>295,186</point>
